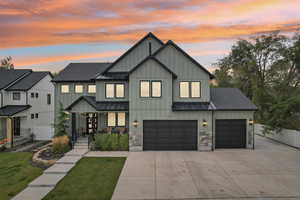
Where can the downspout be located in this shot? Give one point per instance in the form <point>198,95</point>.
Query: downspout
<point>1,92</point>
<point>26,97</point>
<point>212,125</point>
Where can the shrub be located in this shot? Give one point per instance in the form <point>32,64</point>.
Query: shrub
<point>111,142</point>
<point>60,144</point>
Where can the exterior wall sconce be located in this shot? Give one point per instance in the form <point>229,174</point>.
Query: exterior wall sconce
<point>251,122</point>
<point>135,123</point>
<point>204,123</point>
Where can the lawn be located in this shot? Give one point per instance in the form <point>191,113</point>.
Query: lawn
<point>15,173</point>
<point>91,178</point>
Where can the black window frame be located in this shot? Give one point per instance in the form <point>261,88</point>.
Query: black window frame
<point>48,99</point>
<point>150,88</point>
<point>115,90</point>
<point>78,92</point>
<point>36,115</point>
<point>18,94</point>
<point>32,94</point>
<point>89,87</point>
<point>32,116</point>
<point>36,95</point>
<point>116,120</point>
<point>190,90</point>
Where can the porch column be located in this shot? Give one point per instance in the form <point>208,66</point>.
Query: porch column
<point>9,132</point>
<point>74,134</point>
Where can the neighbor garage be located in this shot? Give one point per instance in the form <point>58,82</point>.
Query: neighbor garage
<point>170,134</point>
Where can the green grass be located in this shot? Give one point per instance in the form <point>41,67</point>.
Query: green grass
<point>91,178</point>
<point>15,173</point>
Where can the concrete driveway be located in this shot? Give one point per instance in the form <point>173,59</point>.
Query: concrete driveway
<point>270,171</point>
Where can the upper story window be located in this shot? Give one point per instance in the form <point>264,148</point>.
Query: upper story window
<point>91,88</point>
<point>49,99</point>
<point>36,95</point>
<point>65,89</point>
<point>114,90</point>
<point>78,88</point>
<point>32,95</point>
<point>190,89</point>
<point>150,89</point>
<point>16,96</point>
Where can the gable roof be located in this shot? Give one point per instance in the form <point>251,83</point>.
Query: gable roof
<point>8,76</point>
<point>230,99</point>
<point>80,72</point>
<point>170,42</point>
<point>10,110</point>
<point>149,35</point>
<point>28,81</point>
<point>102,105</point>
<point>157,61</point>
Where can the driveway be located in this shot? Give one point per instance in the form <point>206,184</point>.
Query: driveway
<point>272,171</point>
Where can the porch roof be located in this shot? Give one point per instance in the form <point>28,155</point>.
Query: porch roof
<point>191,106</point>
<point>102,105</point>
<point>10,110</point>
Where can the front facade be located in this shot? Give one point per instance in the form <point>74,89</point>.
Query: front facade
<point>26,106</point>
<point>159,95</point>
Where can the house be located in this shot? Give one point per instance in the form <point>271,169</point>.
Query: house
<point>161,95</point>
<point>26,105</point>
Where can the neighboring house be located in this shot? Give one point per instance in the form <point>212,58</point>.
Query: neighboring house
<point>161,95</point>
<point>26,105</point>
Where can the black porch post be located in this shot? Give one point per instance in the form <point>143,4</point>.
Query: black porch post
<point>74,135</point>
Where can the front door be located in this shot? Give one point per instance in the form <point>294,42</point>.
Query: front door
<point>17,126</point>
<point>91,122</point>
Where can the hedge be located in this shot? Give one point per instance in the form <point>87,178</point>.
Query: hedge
<point>111,142</point>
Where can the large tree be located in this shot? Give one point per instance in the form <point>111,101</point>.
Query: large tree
<point>7,63</point>
<point>266,69</point>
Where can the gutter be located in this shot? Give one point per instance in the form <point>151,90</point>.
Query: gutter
<point>212,124</point>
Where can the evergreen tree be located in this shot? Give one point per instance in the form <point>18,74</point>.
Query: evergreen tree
<point>62,121</point>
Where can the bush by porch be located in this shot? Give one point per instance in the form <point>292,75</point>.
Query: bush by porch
<point>111,142</point>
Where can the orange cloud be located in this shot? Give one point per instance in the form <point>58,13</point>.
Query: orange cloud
<point>207,52</point>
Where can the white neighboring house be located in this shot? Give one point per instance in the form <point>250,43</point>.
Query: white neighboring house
<point>26,105</point>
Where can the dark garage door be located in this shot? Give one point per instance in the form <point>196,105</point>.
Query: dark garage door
<point>170,135</point>
<point>230,133</point>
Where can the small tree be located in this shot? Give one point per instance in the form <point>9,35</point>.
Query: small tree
<point>62,120</point>
<point>7,63</point>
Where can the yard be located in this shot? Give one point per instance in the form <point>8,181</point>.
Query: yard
<point>91,178</point>
<point>15,173</point>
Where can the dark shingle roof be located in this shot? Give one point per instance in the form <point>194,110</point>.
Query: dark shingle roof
<point>102,105</point>
<point>12,109</point>
<point>80,72</point>
<point>28,81</point>
<point>230,99</point>
<point>9,76</point>
<point>191,106</point>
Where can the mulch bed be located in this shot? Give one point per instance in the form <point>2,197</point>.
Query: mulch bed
<point>47,154</point>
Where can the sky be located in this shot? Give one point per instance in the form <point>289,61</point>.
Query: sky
<point>49,34</point>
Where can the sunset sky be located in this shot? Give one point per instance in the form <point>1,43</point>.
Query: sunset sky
<point>48,34</point>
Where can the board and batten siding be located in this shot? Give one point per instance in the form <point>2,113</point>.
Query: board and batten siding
<point>101,91</point>
<point>157,108</point>
<point>136,55</point>
<point>185,70</point>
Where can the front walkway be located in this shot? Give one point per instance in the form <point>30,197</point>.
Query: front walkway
<point>41,186</point>
<point>271,171</point>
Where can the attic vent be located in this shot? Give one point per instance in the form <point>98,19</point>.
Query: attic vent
<point>150,49</point>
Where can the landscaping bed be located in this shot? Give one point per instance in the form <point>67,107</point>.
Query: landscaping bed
<point>111,142</point>
<point>91,178</point>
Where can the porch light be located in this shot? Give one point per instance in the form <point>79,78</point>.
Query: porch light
<point>135,123</point>
<point>204,123</point>
<point>251,122</point>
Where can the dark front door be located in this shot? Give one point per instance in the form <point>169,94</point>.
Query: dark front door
<point>17,126</point>
<point>230,133</point>
<point>91,122</point>
<point>170,135</point>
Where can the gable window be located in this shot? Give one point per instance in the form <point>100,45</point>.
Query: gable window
<point>78,88</point>
<point>32,116</point>
<point>65,89</point>
<point>145,88</point>
<point>156,89</point>
<point>120,91</point>
<point>32,95</point>
<point>36,95</point>
<point>36,115</point>
<point>91,88</point>
<point>16,96</point>
<point>110,90</point>
<point>190,89</point>
<point>49,99</point>
<point>116,119</point>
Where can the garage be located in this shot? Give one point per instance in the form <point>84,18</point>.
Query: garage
<point>170,135</point>
<point>230,133</point>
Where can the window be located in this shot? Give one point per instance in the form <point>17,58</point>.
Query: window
<point>195,89</point>
<point>32,116</point>
<point>32,95</point>
<point>156,89</point>
<point>110,90</point>
<point>120,91</point>
<point>121,119</point>
<point>49,99</point>
<point>184,89</point>
<point>16,96</point>
<point>145,88</point>
<point>111,119</point>
<point>36,95</point>
<point>91,88</point>
<point>78,88</point>
<point>36,115</point>
<point>65,89</point>
<point>190,89</point>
